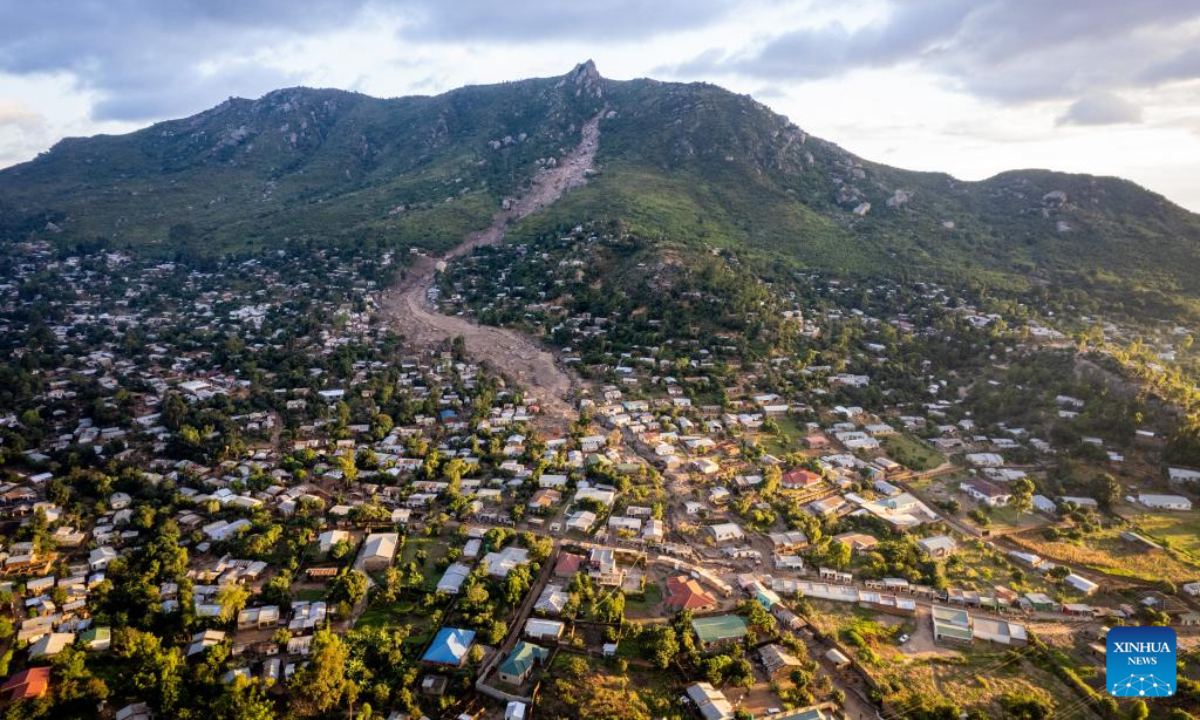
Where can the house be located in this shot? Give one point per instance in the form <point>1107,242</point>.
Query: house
<point>1041,503</point>
<point>1081,584</point>
<point>453,578</point>
<point>1165,502</point>
<point>202,641</point>
<point>542,629</point>
<point>799,479</point>
<point>500,564</point>
<point>96,638</point>
<point>684,593</point>
<point>837,658</point>
<point>521,661</point>
<point>986,492</point>
<point>329,538</point>
<point>552,601</point>
<point>777,661</point>
<point>951,625</point>
<point>858,542</point>
<point>788,543</point>
<point>985,459</point>
<point>726,532</point>
<point>568,564</point>
<point>1192,588</point>
<point>710,702</point>
<point>449,647</point>
<point>50,644</point>
<point>27,684</point>
<point>719,630</point>
<point>827,506</point>
<point>258,618</point>
<point>378,551</point>
<point>938,546</point>
<point>581,521</point>
<point>1183,476</point>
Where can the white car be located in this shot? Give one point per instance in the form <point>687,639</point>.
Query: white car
<point>903,639</point>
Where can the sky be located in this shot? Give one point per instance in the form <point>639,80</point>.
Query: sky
<point>969,87</point>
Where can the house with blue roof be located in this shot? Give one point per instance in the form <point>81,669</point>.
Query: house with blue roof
<point>521,661</point>
<point>450,647</point>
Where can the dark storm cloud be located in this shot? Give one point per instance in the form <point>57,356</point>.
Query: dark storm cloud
<point>148,58</point>
<point>1006,50</point>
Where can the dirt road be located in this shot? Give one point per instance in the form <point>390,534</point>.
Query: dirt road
<point>511,353</point>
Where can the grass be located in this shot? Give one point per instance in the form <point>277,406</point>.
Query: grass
<point>400,614</point>
<point>311,594</point>
<point>912,452</point>
<point>786,440</point>
<point>1106,552</point>
<point>649,598</point>
<point>435,549</point>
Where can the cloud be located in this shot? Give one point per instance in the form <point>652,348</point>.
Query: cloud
<point>146,59</point>
<point>1101,109</point>
<point>15,114</point>
<point>541,20</point>
<point>1004,50</point>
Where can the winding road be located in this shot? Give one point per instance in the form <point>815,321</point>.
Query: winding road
<point>513,354</point>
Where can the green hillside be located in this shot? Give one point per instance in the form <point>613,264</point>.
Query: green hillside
<point>689,165</point>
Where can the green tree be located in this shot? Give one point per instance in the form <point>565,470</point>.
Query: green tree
<point>323,684</point>
<point>152,671</point>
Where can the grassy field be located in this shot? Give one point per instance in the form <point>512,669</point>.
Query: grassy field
<point>650,598</point>
<point>977,680</point>
<point>311,594</point>
<point>1181,530</point>
<point>787,439</point>
<point>400,614</point>
<point>912,452</point>
<point>1106,552</point>
<point>435,549</point>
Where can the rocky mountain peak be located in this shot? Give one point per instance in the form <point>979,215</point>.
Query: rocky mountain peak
<point>586,79</point>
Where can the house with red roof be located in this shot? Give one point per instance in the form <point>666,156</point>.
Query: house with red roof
<point>31,683</point>
<point>568,564</point>
<point>684,593</point>
<point>799,479</point>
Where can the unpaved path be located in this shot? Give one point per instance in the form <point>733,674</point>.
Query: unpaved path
<point>511,353</point>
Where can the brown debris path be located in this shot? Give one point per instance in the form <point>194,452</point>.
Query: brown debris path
<point>515,355</point>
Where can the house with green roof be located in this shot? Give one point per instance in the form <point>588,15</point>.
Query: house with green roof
<point>719,630</point>
<point>951,625</point>
<point>521,661</point>
<point>96,638</point>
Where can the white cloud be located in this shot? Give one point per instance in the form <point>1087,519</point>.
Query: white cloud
<point>971,87</point>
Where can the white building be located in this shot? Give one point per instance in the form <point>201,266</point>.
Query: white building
<point>1165,502</point>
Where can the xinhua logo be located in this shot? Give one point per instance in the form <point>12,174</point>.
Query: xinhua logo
<point>1141,662</point>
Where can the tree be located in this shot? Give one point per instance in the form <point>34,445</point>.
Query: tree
<point>1025,706</point>
<point>345,463</point>
<point>244,699</point>
<point>661,640</point>
<point>232,599</point>
<point>152,671</point>
<point>349,586</point>
<point>323,685</point>
<point>75,686</point>
<point>1138,710</point>
<point>1022,495</point>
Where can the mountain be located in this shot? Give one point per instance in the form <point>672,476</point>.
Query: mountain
<point>689,165</point>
